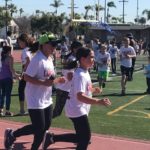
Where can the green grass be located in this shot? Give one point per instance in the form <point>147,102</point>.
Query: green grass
<point>132,121</point>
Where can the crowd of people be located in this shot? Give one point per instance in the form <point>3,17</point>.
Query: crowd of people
<point>74,88</point>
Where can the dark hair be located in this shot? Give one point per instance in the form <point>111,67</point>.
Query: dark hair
<point>1,44</point>
<point>9,33</point>
<point>24,38</point>
<point>75,44</point>
<point>34,47</point>
<point>129,35</point>
<point>82,52</point>
<point>5,51</point>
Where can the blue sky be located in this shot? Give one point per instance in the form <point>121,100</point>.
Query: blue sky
<point>29,6</point>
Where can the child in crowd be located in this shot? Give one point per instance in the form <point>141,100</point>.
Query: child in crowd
<point>78,104</point>
<point>127,52</point>
<point>114,52</point>
<point>103,61</point>
<point>62,90</point>
<point>147,73</point>
<point>24,43</point>
<point>64,50</point>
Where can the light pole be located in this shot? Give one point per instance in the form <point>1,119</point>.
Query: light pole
<point>137,11</point>
<point>98,10</point>
<point>6,17</point>
<point>123,12</point>
<point>105,11</point>
<point>72,9</point>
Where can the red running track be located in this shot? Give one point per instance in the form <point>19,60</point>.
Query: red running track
<point>99,142</point>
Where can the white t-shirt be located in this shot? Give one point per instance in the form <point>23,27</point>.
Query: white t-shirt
<point>39,96</point>
<point>25,53</point>
<point>126,62</point>
<point>81,82</point>
<point>102,60</point>
<point>9,43</point>
<point>64,50</point>
<point>113,52</point>
<point>67,85</point>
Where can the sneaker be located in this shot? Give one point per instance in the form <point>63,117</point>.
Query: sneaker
<point>8,139</point>
<point>47,140</point>
<point>123,93</point>
<point>23,113</point>
<point>103,85</point>
<point>1,113</point>
<point>8,113</point>
<point>146,92</point>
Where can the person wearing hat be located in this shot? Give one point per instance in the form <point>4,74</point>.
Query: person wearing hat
<point>40,76</point>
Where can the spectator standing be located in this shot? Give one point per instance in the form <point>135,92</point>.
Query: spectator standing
<point>9,41</point>
<point>24,43</point>
<point>6,80</point>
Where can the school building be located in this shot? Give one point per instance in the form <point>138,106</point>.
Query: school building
<point>118,31</point>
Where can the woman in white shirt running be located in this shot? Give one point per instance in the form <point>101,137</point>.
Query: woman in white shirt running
<point>40,78</point>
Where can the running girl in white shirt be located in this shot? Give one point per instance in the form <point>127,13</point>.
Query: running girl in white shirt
<point>78,105</point>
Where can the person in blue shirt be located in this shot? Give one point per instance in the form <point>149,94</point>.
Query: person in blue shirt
<point>147,73</point>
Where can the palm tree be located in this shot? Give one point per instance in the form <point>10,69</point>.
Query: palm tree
<point>147,12</point>
<point>116,20</point>
<point>38,12</point>
<point>21,11</point>
<point>110,5</point>
<point>142,20</point>
<point>56,4</point>
<point>87,8</point>
<point>13,9</point>
<point>97,9</point>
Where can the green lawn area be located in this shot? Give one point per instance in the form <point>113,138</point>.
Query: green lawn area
<point>129,116</point>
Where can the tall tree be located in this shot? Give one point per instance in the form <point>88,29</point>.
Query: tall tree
<point>21,11</point>
<point>142,20</point>
<point>13,9</point>
<point>110,5</point>
<point>87,8</point>
<point>147,12</point>
<point>97,9</point>
<point>56,5</point>
<point>2,16</point>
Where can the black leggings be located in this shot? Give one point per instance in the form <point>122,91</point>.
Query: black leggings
<point>148,85</point>
<point>41,121</point>
<point>21,89</point>
<point>61,97</point>
<point>113,65</point>
<point>82,135</point>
